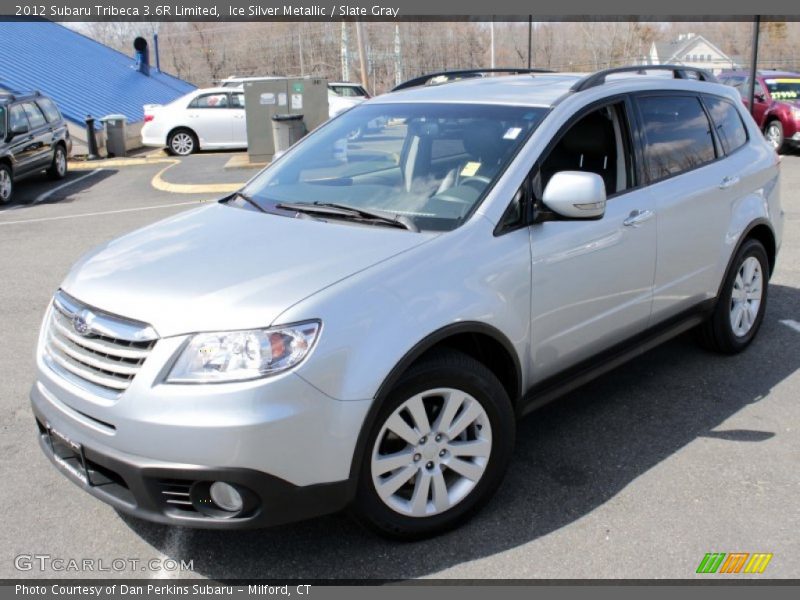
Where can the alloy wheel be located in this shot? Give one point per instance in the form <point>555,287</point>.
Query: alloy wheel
<point>61,162</point>
<point>182,143</point>
<point>773,136</point>
<point>5,185</point>
<point>746,296</point>
<point>431,452</point>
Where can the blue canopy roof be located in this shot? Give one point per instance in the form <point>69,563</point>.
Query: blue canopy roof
<point>83,76</point>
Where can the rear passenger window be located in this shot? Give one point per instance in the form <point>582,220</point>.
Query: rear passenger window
<point>35,116</point>
<point>728,123</point>
<point>677,135</point>
<point>49,109</point>
<point>210,101</point>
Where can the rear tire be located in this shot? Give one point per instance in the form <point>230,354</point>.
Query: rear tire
<point>182,142</point>
<point>438,450</point>
<point>6,184</point>
<point>774,135</point>
<point>742,302</point>
<point>58,168</point>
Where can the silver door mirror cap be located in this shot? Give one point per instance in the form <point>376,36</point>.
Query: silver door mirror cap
<point>576,195</point>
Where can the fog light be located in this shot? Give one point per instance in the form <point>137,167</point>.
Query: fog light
<point>226,497</point>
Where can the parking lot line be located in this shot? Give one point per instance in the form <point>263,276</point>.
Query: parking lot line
<point>45,195</point>
<point>792,324</point>
<point>100,213</point>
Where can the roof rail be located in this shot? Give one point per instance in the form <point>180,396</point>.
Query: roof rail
<point>454,75</point>
<point>678,72</point>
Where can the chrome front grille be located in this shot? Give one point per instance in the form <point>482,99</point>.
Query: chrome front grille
<point>94,347</point>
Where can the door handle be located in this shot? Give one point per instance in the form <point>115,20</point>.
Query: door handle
<point>637,217</point>
<point>728,181</point>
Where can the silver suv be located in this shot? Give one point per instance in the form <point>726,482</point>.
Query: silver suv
<point>363,322</point>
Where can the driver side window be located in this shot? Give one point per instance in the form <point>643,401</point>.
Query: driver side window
<point>599,142</point>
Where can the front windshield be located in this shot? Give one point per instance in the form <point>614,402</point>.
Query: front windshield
<point>784,88</point>
<point>2,123</point>
<point>431,162</point>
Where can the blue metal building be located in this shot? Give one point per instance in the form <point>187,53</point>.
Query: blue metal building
<point>83,76</point>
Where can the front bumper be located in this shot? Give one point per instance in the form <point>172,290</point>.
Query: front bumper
<point>177,493</point>
<point>290,445</point>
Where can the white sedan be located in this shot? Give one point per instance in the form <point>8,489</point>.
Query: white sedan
<point>211,118</point>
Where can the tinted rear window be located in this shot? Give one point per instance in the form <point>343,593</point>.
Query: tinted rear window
<point>677,135</point>
<point>728,122</point>
<point>49,109</point>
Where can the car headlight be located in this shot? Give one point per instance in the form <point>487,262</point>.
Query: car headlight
<point>240,355</point>
<point>796,113</point>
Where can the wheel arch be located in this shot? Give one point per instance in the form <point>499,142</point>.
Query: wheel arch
<point>760,230</point>
<point>182,128</point>
<point>483,342</point>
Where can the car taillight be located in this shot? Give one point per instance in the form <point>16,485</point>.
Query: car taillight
<point>148,118</point>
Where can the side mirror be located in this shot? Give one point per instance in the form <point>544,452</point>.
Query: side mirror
<point>576,195</point>
<point>759,97</point>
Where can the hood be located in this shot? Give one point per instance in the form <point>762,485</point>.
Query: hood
<point>225,268</point>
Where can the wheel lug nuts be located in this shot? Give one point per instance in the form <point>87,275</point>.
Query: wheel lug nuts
<point>442,452</point>
<point>417,457</point>
<point>439,438</point>
<point>423,440</point>
<point>429,465</point>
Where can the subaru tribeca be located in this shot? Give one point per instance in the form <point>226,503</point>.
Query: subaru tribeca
<point>361,324</point>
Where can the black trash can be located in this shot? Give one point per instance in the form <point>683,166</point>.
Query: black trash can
<point>286,130</point>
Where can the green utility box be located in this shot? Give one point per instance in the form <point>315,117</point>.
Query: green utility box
<point>265,98</point>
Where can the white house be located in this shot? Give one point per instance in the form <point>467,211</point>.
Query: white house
<point>692,50</point>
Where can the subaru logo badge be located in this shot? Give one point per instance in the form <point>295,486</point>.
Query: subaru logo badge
<point>81,323</point>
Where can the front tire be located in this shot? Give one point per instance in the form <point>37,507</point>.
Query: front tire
<point>58,168</point>
<point>742,302</point>
<point>438,450</point>
<point>774,135</point>
<point>182,142</point>
<point>6,184</point>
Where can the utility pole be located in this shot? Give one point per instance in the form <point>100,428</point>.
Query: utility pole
<point>754,64</point>
<point>398,60</point>
<point>345,59</point>
<point>300,43</point>
<point>492,36</point>
<point>362,55</point>
<point>530,40</point>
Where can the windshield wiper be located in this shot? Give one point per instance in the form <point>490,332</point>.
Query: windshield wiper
<point>342,210</point>
<point>250,200</point>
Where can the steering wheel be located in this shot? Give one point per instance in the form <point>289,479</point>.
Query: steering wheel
<point>473,179</point>
<point>445,197</point>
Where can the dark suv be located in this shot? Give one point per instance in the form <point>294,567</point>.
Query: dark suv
<point>33,138</point>
<point>776,107</point>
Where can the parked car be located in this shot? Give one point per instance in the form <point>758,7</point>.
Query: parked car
<point>363,322</point>
<point>349,90</point>
<point>205,119</point>
<point>776,106</point>
<point>33,139</point>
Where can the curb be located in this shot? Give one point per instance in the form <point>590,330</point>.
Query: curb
<point>190,188</point>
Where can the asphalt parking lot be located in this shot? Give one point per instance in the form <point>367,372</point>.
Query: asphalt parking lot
<point>637,475</point>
